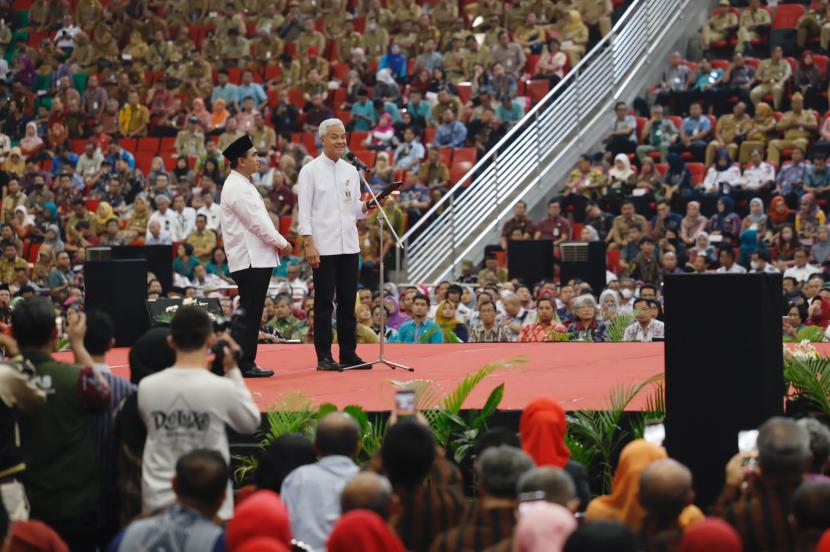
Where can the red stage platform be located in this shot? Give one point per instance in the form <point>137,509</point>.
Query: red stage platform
<point>578,375</point>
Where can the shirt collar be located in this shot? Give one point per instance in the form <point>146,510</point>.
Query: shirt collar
<point>240,175</point>
<point>328,160</point>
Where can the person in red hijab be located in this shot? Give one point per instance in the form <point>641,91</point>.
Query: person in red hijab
<point>819,313</point>
<point>363,531</point>
<point>262,514</point>
<point>262,544</point>
<point>824,543</point>
<point>711,535</point>
<point>542,428</point>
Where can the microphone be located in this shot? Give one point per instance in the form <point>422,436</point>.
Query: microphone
<point>357,162</point>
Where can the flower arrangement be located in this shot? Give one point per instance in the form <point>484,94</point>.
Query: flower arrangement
<point>166,317</point>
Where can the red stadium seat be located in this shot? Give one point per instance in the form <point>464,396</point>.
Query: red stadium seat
<point>148,145</point>
<point>698,171</point>
<point>356,139</point>
<point>285,224</point>
<point>272,72</point>
<point>92,204</point>
<point>821,63</point>
<point>340,71</point>
<point>464,155</point>
<point>458,170</point>
<point>235,75</point>
<point>661,168</point>
<point>295,98</point>
<point>143,161</point>
<point>77,145</point>
<point>641,124</point>
<point>429,135</point>
<point>309,139</point>
<point>273,98</point>
<point>612,259</point>
<point>787,15</point>
<point>168,145</point>
<point>445,154</point>
<point>532,61</point>
<point>465,91</point>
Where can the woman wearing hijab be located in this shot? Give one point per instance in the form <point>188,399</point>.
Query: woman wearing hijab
<point>609,305</point>
<point>809,217</point>
<point>648,179</point>
<point>386,88</point>
<point>45,260</point>
<point>52,238</point>
<point>757,218</point>
<point>750,243</point>
<point>31,143</point>
<point>157,169</point>
<point>200,112</point>
<point>182,172</point>
<point>543,527</point>
<point>725,223</point>
<point>622,504</point>
<point>820,251</point>
<point>807,80</point>
<point>138,218</point>
<point>450,325</point>
<point>711,535</point>
<point>763,127</point>
<point>692,224</point>
<point>619,181</point>
<point>394,317</point>
<point>218,115</point>
<point>382,135</point>
<point>15,164</point>
<point>542,429</point>
<point>704,248</point>
<point>779,214</point>
<point>48,217</point>
<point>721,178</point>
<point>575,36</point>
<point>362,531</point>
<point>103,214</point>
<point>262,514</point>
<point>677,182</point>
<point>23,222</point>
<point>395,61</point>
<point>785,245</point>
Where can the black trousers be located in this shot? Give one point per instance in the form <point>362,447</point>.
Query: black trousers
<point>335,272</point>
<point>253,287</point>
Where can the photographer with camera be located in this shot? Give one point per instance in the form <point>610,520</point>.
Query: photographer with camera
<point>186,407</point>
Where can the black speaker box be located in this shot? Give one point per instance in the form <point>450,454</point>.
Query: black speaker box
<point>119,288</point>
<point>159,261</point>
<point>583,260</point>
<point>530,260</point>
<point>724,367</point>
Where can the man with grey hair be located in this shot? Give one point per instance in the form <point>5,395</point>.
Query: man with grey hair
<point>369,491</point>
<point>758,503</point>
<point>665,491</point>
<point>819,447</point>
<point>493,518</point>
<point>554,485</point>
<point>329,207</point>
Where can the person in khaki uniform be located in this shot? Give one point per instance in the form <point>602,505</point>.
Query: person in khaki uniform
<point>263,137</point>
<point>729,132</point>
<point>720,25</point>
<point>474,54</point>
<point>235,50</point>
<point>772,76</point>
<point>375,40</point>
<point>407,39</point>
<point>596,14</point>
<point>230,135</point>
<point>310,37</point>
<point>160,52</point>
<point>762,129</point>
<point>446,102</point>
<point>797,127</point>
<point>350,40</point>
<point>267,49</point>
<point>407,10</point>
<point>494,29</point>
<point>425,30</point>
<point>754,20</point>
<point>190,141</point>
<point>202,240</point>
<point>515,14</point>
<point>454,62</point>
<point>530,35</point>
<point>810,24</point>
<point>457,30</point>
<point>333,21</point>
<point>825,30</point>
<point>444,13</point>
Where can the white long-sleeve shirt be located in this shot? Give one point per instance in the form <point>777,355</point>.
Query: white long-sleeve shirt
<point>755,177</point>
<point>248,233</point>
<point>167,221</point>
<point>185,409</point>
<point>212,214</point>
<point>185,222</point>
<point>329,205</point>
<point>731,177</point>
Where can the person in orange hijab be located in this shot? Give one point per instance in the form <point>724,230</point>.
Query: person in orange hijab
<point>542,428</point>
<point>622,504</point>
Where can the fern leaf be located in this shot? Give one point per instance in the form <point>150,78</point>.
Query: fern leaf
<point>615,329</point>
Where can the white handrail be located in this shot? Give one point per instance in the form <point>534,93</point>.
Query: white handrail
<point>473,206</point>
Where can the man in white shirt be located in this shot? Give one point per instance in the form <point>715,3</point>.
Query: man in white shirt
<point>211,210</point>
<point>65,36</point>
<point>251,243</point>
<point>802,270</point>
<point>312,492</point>
<point>187,407</point>
<point>759,263</point>
<point>185,218</point>
<point>727,263</point>
<point>758,174</point>
<point>646,328</point>
<point>166,218</point>
<point>155,236</point>
<point>329,208</point>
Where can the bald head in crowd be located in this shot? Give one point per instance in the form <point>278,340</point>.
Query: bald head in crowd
<point>368,491</point>
<point>557,485</point>
<point>666,489</point>
<point>337,434</point>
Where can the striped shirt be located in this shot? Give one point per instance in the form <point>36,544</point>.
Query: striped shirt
<point>481,528</point>
<point>759,512</point>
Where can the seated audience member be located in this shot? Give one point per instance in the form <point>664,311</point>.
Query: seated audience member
<point>645,328</point>
<point>312,493</point>
<point>758,502</point>
<point>772,76</point>
<point>622,505</point>
<point>493,518</point>
<point>644,266</point>
<point>695,134</point>
<point>200,482</point>
<point>543,427</point>
<point>760,262</point>
<point>665,491</point>
<point>722,25</point>
<point>597,535</point>
<point>554,226</point>
<point>622,223</point>
<point>261,515</point>
<point>408,456</point>
<point>726,257</point>
<point>218,401</point>
<point>515,316</point>
<point>55,439</point>
<point>819,447</point>
<point>543,526</point>
<point>547,324</point>
<point>725,223</point>
<point>729,132</point>
<point>492,270</point>
<point>453,330</point>
<point>520,221</point>
<point>809,217</point>
<point>711,534</point>
<point>659,134</point>
<point>623,135</point>
<point>450,132</point>
<point>369,491</point>
<point>489,330</point>
<point>811,513</point>
<point>758,177</point>
<point>363,530</point>
<point>586,325</point>
<point>420,329</point>
<point>802,269</point>
<point>796,126</point>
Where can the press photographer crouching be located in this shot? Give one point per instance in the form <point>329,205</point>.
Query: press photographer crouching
<point>186,407</point>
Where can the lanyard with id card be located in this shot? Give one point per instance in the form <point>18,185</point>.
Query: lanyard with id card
<point>347,192</point>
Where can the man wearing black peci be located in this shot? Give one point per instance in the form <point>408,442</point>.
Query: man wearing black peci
<point>329,208</point>
<point>251,244</point>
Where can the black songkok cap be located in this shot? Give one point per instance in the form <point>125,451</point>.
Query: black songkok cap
<point>238,148</point>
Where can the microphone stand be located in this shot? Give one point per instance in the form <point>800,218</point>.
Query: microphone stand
<point>381,219</point>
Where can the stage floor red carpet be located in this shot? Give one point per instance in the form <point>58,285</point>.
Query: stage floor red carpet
<point>578,375</point>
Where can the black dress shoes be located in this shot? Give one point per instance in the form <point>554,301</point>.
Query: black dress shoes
<point>256,372</point>
<point>328,365</point>
<point>354,361</point>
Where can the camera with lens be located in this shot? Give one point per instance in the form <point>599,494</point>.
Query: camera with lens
<point>233,325</point>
